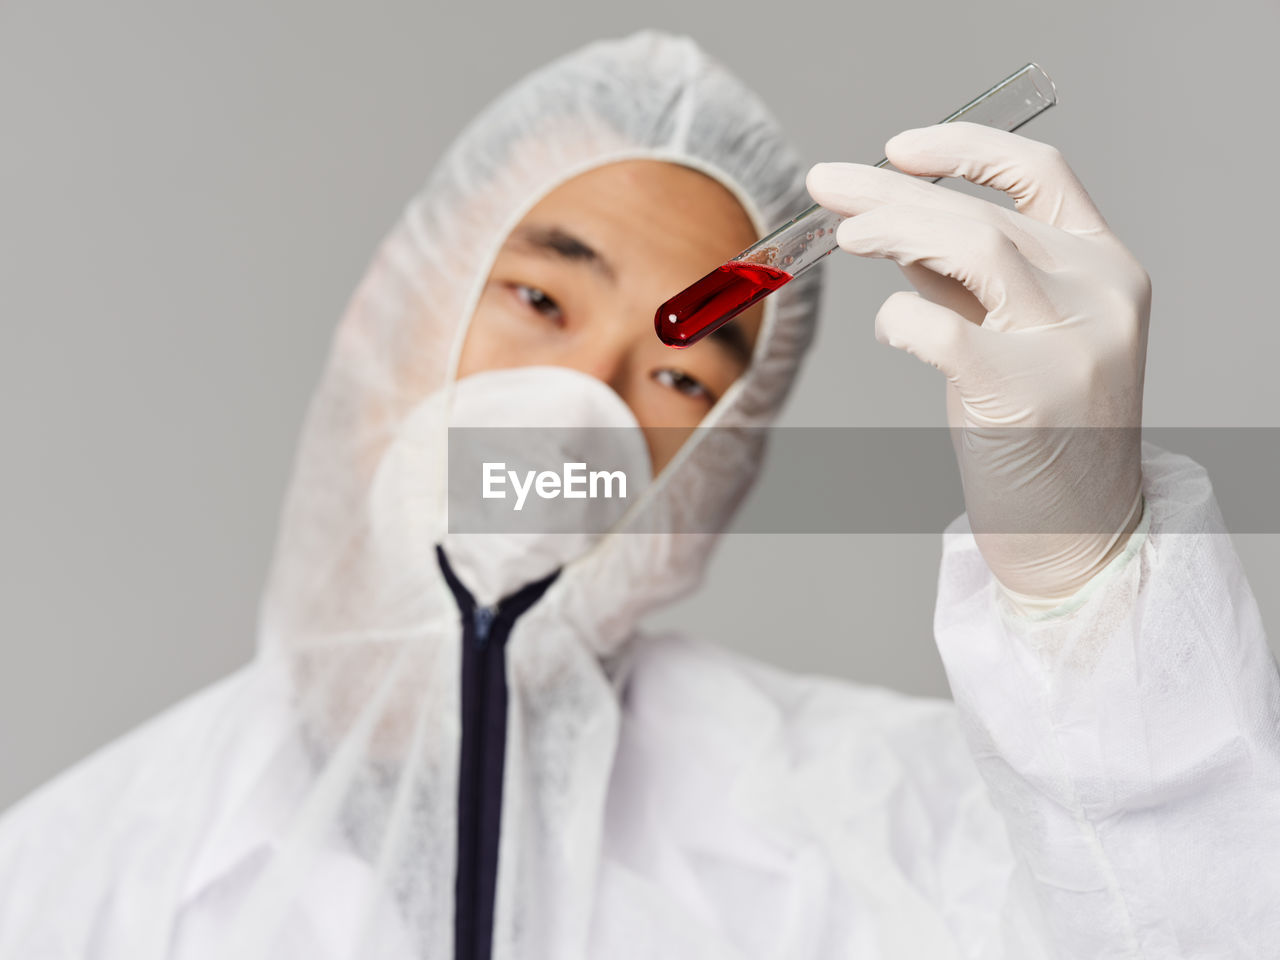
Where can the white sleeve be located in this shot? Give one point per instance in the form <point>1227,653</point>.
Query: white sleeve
<point>1131,738</point>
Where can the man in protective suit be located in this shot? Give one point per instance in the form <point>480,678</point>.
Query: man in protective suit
<point>459,745</point>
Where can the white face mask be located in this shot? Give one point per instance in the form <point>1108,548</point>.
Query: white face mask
<point>412,509</point>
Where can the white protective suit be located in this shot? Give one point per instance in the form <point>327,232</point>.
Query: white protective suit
<point>405,764</point>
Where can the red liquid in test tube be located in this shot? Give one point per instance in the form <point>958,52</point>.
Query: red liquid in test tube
<point>715,300</point>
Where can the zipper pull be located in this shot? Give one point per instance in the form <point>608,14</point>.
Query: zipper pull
<point>482,620</point>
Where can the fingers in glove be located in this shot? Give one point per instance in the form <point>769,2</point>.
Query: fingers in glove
<point>974,253</point>
<point>929,332</point>
<point>1036,175</point>
<point>853,189</point>
<point>945,292</point>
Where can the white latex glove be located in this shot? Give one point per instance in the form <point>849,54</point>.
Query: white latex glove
<point>1037,317</point>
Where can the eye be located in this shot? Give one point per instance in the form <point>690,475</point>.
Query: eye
<point>681,382</point>
<point>537,301</point>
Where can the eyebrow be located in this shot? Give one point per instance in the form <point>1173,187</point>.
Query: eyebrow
<point>558,242</point>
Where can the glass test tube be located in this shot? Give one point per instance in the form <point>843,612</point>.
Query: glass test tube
<point>805,239</point>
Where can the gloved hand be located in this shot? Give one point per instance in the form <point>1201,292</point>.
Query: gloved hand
<point>1038,319</point>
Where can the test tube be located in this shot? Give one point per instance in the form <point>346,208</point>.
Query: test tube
<point>805,239</point>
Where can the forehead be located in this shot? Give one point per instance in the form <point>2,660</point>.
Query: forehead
<point>660,211</point>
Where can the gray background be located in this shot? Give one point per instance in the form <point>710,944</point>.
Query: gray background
<point>187,199</point>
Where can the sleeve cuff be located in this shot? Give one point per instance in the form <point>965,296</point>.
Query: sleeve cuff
<point>1028,608</point>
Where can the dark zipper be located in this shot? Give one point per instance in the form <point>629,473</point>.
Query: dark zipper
<point>485,631</point>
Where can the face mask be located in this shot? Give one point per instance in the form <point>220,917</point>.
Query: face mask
<point>430,486</point>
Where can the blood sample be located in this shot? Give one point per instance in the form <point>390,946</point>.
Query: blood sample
<point>715,300</point>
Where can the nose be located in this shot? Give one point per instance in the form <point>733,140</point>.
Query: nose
<point>604,354</point>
